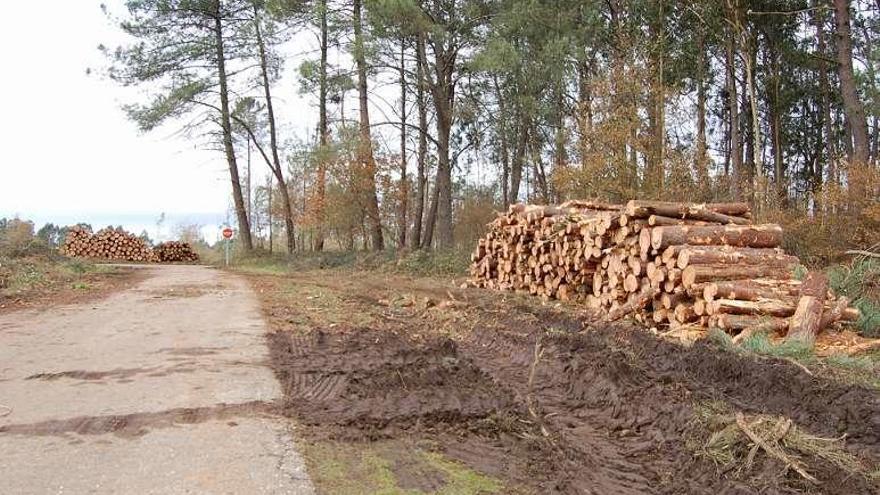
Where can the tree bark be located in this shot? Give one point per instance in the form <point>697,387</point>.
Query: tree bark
<point>404,185</point>
<point>443,93</point>
<point>695,274</point>
<point>367,163</point>
<point>756,236</point>
<point>421,186</point>
<point>225,120</point>
<point>702,156</point>
<point>852,104</point>
<point>776,112</point>
<point>585,109</point>
<point>432,219</point>
<point>516,166</point>
<point>277,170</point>
<point>824,88</point>
<point>734,256</point>
<point>735,145</point>
<point>323,135</point>
<point>503,144</point>
<point>807,319</point>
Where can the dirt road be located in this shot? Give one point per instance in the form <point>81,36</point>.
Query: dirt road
<point>162,388</point>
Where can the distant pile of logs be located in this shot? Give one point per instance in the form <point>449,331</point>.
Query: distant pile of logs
<point>663,263</point>
<point>117,244</point>
<point>174,251</point>
<point>108,243</point>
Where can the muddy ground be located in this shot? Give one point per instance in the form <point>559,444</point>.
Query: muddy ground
<point>408,384</point>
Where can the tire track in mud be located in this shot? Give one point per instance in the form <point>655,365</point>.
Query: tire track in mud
<point>616,405</point>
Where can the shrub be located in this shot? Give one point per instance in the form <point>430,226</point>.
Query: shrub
<point>860,282</point>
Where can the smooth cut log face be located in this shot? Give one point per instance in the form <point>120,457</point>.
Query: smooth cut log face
<point>755,236</point>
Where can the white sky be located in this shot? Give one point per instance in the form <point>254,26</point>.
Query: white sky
<point>69,151</point>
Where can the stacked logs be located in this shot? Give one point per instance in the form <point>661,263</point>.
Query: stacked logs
<point>663,263</point>
<point>175,251</point>
<point>109,243</point>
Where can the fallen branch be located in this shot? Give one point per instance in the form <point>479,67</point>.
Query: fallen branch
<point>859,252</point>
<point>538,354</point>
<point>771,450</point>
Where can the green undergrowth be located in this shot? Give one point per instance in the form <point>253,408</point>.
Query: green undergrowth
<point>862,370</point>
<point>415,263</point>
<point>391,468</point>
<point>860,282</point>
<point>22,275</point>
<point>761,345</point>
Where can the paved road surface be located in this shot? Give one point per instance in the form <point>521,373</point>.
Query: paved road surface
<point>162,388</point>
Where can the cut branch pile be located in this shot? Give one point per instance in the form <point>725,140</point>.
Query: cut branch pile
<point>175,251</point>
<point>662,263</point>
<point>108,243</point>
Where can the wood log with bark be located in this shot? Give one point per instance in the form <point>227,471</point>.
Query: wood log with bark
<point>660,263</point>
<point>807,318</point>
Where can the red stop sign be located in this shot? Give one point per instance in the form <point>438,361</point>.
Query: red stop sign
<point>227,233</point>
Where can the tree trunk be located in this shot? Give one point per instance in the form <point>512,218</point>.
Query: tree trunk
<point>323,135</point>
<point>702,157</point>
<point>852,104</point>
<point>827,121</point>
<point>443,93</point>
<point>519,152</point>
<point>585,110</point>
<point>404,186</point>
<point>757,159</point>
<point>421,186</point>
<point>503,144</point>
<point>225,119</point>
<point>654,173</point>
<point>367,163</point>
<point>277,170</point>
<point>776,113</point>
<point>733,111</point>
<point>432,219</point>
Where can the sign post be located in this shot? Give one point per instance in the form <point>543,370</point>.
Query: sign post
<point>227,234</point>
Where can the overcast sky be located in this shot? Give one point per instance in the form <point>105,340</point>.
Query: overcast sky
<point>69,152</point>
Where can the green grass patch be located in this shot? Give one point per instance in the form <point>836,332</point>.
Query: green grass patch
<point>860,282</point>
<point>415,263</point>
<point>760,343</point>
<point>354,469</point>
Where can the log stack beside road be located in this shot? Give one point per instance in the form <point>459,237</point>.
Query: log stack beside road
<point>117,244</point>
<point>175,251</point>
<point>663,263</point>
<point>109,243</point>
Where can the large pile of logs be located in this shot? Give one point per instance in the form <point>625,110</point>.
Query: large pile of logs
<point>663,263</point>
<point>109,243</point>
<point>175,251</point>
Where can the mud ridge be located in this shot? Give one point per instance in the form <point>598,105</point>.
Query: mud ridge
<point>607,412</point>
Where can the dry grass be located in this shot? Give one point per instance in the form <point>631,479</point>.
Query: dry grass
<point>734,441</point>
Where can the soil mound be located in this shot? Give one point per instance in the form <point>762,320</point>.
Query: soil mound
<point>611,411</point>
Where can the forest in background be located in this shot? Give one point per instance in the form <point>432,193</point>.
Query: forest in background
<point>488,102</point>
